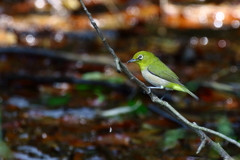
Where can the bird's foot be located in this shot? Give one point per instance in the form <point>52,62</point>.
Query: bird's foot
<point>151,87</point>
<point>147,92</point>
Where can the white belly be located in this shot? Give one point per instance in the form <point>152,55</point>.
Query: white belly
<point>154,80</point>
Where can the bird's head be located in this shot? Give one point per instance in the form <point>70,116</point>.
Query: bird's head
<point>143,58</point>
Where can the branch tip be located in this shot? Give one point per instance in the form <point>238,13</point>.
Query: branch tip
<point>203,143</point>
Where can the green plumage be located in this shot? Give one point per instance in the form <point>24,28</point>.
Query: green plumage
<point>157,73</point>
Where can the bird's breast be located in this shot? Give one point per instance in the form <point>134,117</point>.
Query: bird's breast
<point>153,79</point>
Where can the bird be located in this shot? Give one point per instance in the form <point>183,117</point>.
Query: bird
<point>158,74</point>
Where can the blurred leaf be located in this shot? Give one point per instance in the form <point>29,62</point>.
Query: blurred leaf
<point>192,86</point>
<point>121,110</point>
<point>58,100</point>
<point>171,138</point>
<point>83,87</point>
<point>93,76</point>
<point>224,126</point>
<point>71,4</point>
<point>5,151</point>
<point>219,86</point>
<point>101,96</point>
<point>97,76</point>
<point>90,87</point>
<point>141,110</point>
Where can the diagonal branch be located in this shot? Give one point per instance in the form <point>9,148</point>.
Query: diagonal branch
<point>192,126</point>
<point>116,59</point>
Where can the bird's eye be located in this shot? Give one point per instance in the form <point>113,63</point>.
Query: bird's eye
<point>140,57</point>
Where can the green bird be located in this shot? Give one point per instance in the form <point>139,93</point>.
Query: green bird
<point>157,73</point>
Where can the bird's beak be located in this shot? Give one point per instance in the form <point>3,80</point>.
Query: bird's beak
<point>131,60</point>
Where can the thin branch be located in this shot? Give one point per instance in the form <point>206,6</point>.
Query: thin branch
<point>193,126</point>
<point>116,59</point>
<point>204,138</point>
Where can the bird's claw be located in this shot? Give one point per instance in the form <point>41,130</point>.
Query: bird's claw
<point>148,92</point>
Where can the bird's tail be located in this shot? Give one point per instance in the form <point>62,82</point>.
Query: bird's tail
<point>182,88</point>
<point>189,92</point>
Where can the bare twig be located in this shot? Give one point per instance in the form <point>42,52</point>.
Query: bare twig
<point>193,126</point>
<point>204,138</point>
<point>116,59</point>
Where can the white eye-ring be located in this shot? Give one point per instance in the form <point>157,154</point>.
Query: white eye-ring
<point>140,56</point>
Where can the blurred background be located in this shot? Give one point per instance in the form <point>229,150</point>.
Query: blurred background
<point>61,97</point>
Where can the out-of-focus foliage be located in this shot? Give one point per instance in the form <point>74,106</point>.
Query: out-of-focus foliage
<point>102,77</point>
<point>5,151</point>
<point>224,126</point>
<point>171,138</point>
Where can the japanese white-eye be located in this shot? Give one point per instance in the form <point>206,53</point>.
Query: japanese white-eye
<point>157,73</point>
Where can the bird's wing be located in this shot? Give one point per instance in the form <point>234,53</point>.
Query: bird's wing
<point>164,73</point>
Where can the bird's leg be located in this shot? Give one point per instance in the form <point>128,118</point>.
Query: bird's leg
<point>165,93</point>
<point>151,87</point>
<point>160,87</point>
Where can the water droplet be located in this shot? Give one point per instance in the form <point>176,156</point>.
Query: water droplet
<point>102,22</point>
<point>82,121</point>
<point>235,24</point>
<point>222,43</point>
<point>58,37</point>
<point>218,24</point>
<point>194,40</point>
<point>79,64</point>
<point>132,21</point>
<point>202,17</point>
<point>133,10</point>
<point>219,16</point>
<point>204,40</point>
<point>233,69</point>
<point>40,3</point>
<point>229,101</point>
<point>31,40</point>
<point>108,70</point>
<point>44,135</point>
<point>59,85</point>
